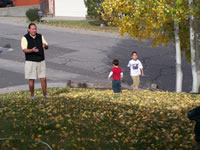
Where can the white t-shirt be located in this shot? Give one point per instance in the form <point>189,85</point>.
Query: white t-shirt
<point>135,67</point>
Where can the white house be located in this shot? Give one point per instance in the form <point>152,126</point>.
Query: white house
<point>69,8</point>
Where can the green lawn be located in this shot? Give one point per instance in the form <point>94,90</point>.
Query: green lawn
<point>86,24</point>
<point>88,119</point>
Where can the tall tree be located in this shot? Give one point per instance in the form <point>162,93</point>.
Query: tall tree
<point>179,72</point>
<point>177,16</point>
<point>198,51</point>
<point>159,20</point>
<point>194,47</point>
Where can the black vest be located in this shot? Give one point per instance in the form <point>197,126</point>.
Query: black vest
<point>37,42</point>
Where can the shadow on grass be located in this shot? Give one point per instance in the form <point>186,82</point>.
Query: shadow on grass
<point>88,123</point>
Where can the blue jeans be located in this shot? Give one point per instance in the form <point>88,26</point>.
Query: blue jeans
<point>116,86</point>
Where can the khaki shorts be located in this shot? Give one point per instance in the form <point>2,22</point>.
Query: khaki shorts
<point>34,70</point>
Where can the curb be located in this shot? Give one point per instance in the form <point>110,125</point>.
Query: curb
<point>25,87</point>
<point>69,83</point>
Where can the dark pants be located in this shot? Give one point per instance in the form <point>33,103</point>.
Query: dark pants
<point>194,114</point>
<point>116,86</point>
<point>197,131</point>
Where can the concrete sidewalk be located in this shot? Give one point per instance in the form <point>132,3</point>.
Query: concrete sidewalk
<point>63,18</point>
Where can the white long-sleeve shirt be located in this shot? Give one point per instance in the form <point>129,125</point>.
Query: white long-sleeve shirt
<point>111,73</point>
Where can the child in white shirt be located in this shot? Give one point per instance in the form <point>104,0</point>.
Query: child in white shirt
<point>136,69</point>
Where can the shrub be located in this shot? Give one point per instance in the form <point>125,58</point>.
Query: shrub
<point>32,14</point>
<point>94,8</point>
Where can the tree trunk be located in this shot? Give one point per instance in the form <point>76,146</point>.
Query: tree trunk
<point>197,44</point>
<point>195,84</point>
<point>179,73</point>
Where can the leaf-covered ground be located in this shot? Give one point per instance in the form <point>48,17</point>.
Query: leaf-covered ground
<point>88,119</point>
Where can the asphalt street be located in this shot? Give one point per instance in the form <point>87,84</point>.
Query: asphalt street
<point>80,55</point>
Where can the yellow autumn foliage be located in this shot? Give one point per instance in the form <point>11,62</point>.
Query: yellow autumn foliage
<point>144,19</point>
<point>95,119</point>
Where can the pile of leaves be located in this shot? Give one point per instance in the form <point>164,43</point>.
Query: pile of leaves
<point>97,119</point>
